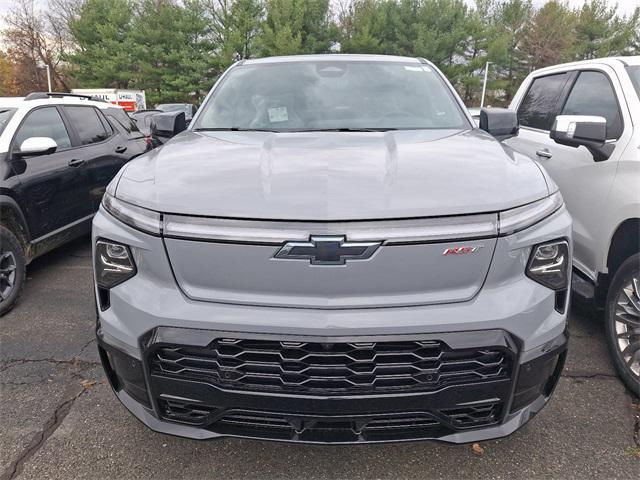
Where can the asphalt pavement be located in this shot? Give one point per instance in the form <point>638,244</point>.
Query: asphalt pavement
<point>59,418</point>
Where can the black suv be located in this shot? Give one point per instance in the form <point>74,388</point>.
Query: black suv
<point>58,152</point>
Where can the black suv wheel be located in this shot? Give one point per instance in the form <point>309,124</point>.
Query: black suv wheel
<point>622,317</point>
<point>12,269</point>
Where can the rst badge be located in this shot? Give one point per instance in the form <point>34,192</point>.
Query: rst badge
<point>462,250</point>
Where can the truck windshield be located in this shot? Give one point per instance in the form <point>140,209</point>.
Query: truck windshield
<point>332,95</point>
<point>634,73</point>
<point>5,116</point>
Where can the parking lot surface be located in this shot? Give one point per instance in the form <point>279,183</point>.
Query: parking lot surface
<point>59,418</point>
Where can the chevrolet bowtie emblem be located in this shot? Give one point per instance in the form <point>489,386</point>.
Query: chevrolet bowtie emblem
<point>327,250</point>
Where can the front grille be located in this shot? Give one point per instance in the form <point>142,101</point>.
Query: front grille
<point>329,429</point>
<point>358,428</point>
<point>330,368</point>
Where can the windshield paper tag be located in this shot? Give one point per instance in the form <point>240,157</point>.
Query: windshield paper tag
<point>278,114</point>
<point>413,69</point>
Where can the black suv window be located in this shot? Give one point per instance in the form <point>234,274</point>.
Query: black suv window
<point>592,94</point>
<point>43,122</point>
<point>540,104</point>
<point>119,116</point>
<point>88,124</point>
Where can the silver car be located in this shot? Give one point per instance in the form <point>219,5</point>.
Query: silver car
<point>332,252</point>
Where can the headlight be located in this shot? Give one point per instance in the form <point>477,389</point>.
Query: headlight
<point>549,264</point>
<point>113,264</point>
<point>516,219</point>
<point>137,217</point>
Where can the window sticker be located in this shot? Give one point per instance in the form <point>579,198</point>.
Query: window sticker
<point>278,114</point>
<point>413,69</point>
<point>426,69</point>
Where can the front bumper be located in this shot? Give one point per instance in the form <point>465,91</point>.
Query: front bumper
<point>493,405</point>
<point>511,314</point>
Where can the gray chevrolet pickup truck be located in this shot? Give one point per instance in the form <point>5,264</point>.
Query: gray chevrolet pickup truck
<point>333,252</point>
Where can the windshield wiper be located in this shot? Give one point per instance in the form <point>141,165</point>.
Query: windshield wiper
<point>291,130</point>
<point>346,129</point>
<point>233,129</point>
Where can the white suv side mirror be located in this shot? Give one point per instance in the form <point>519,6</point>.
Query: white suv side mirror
<point>38,146</point>
<point>583,130</point>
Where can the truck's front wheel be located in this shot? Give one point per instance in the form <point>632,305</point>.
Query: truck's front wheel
<point>622,316</point>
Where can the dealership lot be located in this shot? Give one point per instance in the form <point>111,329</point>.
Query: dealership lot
<point>60,419</point>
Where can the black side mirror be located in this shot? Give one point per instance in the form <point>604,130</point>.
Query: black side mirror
<point>168,124</point>
<point>502,123</point>
<point>583,130</point>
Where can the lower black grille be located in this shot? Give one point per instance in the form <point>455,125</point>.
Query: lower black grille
<point>185,412</point>
<point>472,416</point>
<point>331,368</point>
<point>378,427</point>
<point>329,429</point>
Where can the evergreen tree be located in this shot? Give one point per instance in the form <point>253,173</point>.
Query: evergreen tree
<point>236,26</point>
<point>601,32</point>
<point>296,26</point>
<point>104,55</point>
<point>176,49</point>
<point>511,22</point>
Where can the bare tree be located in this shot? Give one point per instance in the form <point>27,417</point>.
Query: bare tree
<point>59,15</point>
<point>31,43</point>
<point>550,36</point>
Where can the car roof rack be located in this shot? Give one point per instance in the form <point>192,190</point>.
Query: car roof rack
<point>47,95</point>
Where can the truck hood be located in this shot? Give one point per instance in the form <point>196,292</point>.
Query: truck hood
<point>331,175</point>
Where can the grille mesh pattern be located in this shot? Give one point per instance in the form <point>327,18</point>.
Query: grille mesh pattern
<point>377,427</point>
<point>471,416</point>
<point>184,412</point>
<point>331,368</point>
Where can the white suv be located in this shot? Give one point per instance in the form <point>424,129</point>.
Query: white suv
<point>582,122</point>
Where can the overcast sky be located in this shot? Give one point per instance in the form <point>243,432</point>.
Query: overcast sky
<point>4,6</point>
<point>624,6</point>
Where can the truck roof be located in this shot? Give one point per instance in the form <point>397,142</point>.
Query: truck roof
<point>20,102</point>
<point>613,61</point>
<point>334,57</point>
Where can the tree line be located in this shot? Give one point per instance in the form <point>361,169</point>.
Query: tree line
<point>175,50</point>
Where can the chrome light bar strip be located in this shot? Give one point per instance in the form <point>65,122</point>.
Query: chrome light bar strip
<point>517,219</point>
<point>132,215</point>
<point>420,230</point>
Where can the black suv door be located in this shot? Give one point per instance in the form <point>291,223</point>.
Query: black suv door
<point>103,149</point>
<point>52,187</point>
<point>137,141</point>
